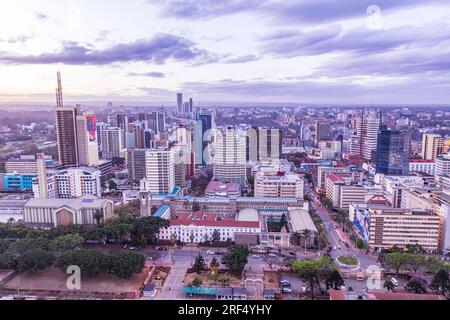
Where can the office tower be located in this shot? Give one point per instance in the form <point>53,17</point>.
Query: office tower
<point>183,136</point>
<point>87,139</point>
<point>191,105</point>
<point>122,122</point>
<point>136,164</point>
<point>392,152</point>
<point>186,107</point>
<point>159,171</point>
<point>149,136</point>
<point>130,140</point>
<point>263,144</point>
<point>179,103</point>
<point>368,127</point>
<point>443,166</point>
<point>157,121</point>
<point>109,107</point>
<point>112,142</point>
<point>142,116</point>
<point>203,126</point>
<point>323,131</point>
<point>230,157</point>
<point>66,135</point>
<point>42,176</point>
<point>432,145</point>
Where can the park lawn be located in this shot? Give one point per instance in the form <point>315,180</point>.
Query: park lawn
<point>210,280</point>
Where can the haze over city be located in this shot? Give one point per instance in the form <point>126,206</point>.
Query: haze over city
<point>345,52</point>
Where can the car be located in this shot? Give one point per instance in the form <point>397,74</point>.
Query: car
<point>209,252</point>
<point>394,282</point>
<point>292,253</point>
<point>132,248</point>
<point>272,255</point>
<point>305,289</point>
<point>287,290</point>
<point>285,283</point>
<point>343,288</point>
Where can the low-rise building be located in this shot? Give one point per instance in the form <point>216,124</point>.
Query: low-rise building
<point>220,189</point>
<point>60,212</point>
<point>278,184</point>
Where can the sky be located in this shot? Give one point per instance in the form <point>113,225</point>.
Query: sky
<point>292,51</point>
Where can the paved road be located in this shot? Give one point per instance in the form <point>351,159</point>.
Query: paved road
<point>254,278</point>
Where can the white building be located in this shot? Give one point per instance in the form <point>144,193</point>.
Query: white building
<point>432,145</point>
<point>230,156</point>
<point>160,171</point>
<point>69,183</point>
<point>278,184</point>
<point>420,165</point>
<point>112,142</point>
<point>443,165</point>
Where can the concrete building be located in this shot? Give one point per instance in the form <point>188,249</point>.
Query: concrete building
<point>420,165</point>
<point>263,144</point>
<point>66,134</point>
<point>136,164</point>
<point>382,227</point>
<point>367,132</point>
<point>432,145</point>
<point>87,142</point>
<point>159,171</point>
<point>443,165</point>
<point>61,212</point>
<point>230,157</point>
<point>342,192</point>
<point>278,184</point>
<point>112,142</point>
<point>219,189</point>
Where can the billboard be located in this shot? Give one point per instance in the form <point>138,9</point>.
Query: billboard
<point>91,127</point>
<point>362,224</point>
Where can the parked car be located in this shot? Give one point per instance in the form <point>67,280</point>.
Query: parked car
<point>285,283</point>
<point>394,282</point>
<point>287,290</point>
<point>209,252</point>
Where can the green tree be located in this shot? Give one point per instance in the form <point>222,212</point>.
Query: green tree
<point>112,185</point>
<point>91,262</point>
<point>34,259</point>
<point>415,249</point>
<point>396,260</point>
<point>199,264</point>
<point>8,261</point>
<point>236,258</point>
<point>27,244</point>
<point>415,261</point>
<point>308,271</point>
<point>440,283</point>
<point>145,230</point>
<point>389,285</point>
<point>416,285</point>
<point>68,242</point>
<point>126,264</point>
<point>296,237</point>
<point>98,216</point>
<point>333,279</point>
<point>4,245</point>
<point>195,206</point>
<point>216,236</point>
<point>197,282</point>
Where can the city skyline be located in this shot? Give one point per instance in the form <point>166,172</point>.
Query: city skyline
<point>226,51</point>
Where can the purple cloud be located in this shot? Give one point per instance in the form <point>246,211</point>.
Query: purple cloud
<point>243,59</point>
<point>147,74</point>
<point>41,15</point>
<point>158,50</point>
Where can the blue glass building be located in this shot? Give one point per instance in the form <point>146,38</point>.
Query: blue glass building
<point>392,152</point>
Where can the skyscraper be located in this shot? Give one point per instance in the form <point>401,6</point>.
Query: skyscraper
<point>229,157</point>
<point>368,127</point>
<point>157,121</point>
<point>87,141</point>
<point>42,176</point>
<point>432,145</point>
<point>179,103</point>
<point>323,131</point>
<point>263,144</point>
<point>160,171</point>
<point>392,152</point>
<point>136,164</point>
<point>112,142</point>
<point>203,126</point>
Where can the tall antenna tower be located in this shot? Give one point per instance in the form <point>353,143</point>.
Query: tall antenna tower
<point>59,97</point>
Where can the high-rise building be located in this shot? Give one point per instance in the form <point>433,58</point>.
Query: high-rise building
<point>203,126</point>
<point>432,145</point>
<point>230,157</point>
<point>367,132</point>
<point>160,171</point>
<point>191,105</point>
<point>323,131</point>
<point>443,166</point>
<point>112,142</point>
<point>87,139</point>
<point>263,144</point>
<point>179,103</point>
<point>66,135</point>
<point>392,152</point>
<point>42,176</point>
<point>136,164</point>
<point>157,121</point>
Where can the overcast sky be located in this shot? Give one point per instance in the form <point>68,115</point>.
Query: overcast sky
<point>316,51</point>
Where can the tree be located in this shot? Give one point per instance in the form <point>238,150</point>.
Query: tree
<point>197,282</point>
<point>395,260</point>
<point>308,271</point>
<point>195,206</point>
<point>306,235</point>
<point>126,264</point>
<point>236,258</point>
<point>145,230</point>
<point>98,216</point>
<point>416,285</point>
<point>4,245</point>
<point>216,235</point>
<point>199,264</point>
<point>360,244</point>
<point>214,263</point>
<point>415,249</point>
<point>23,245</point>
<point>34,259</point>
<point>296,238</point>
<point>333,279</point>
<point>112,185</point>
<point>389,285</point>
<point>91,262</point>
<point>8,261</point>
<point>68,242</point>
<point>441,282</point>
<point>415,261</point>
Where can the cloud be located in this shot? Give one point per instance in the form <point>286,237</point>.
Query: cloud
<point>147,74</point>
<point>243,59</point>
<point>19,39</point>
<point>40,15</point>
<point>196,9</point>
<point>332,38</point>
<point>157,50</point>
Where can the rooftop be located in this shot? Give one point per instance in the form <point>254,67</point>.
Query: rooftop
<point>301,220</point>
